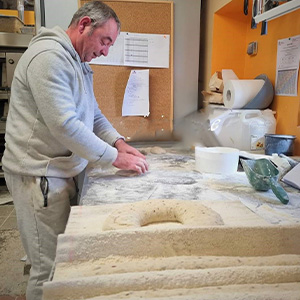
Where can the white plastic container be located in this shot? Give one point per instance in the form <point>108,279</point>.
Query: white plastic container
<point>242,129</point>
<point>216,160</point>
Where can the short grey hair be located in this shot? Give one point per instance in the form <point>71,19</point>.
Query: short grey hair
<point>98,12</point>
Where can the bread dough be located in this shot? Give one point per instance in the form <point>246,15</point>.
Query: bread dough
<point>142,213</point>
<point>157,150</point>
<point>127,173</point>
<point>153,150</point>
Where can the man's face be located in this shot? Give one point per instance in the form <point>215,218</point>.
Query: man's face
<point>97,43</point>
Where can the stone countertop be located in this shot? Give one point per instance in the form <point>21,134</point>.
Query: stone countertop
<point>172,175</point>
<point>242,239</point>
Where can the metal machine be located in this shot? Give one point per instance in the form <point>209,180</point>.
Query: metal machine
<point>12,46</point>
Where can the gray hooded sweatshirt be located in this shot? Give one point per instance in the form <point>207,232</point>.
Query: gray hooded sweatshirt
<point>54,126</point>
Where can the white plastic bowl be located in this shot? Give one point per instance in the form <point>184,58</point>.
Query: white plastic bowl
<point>216,160</point>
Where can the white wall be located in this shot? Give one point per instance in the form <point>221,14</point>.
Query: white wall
<point>210,8</point>
<point>186,57</point>
<point>59,12</point>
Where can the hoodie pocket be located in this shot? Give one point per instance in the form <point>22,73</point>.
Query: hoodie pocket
<point>66,166</point>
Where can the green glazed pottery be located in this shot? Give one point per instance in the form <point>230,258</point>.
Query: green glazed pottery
<point>263,175</point>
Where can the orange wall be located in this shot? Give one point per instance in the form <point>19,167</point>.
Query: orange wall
<point>231,35</point>
<point>229,38</point>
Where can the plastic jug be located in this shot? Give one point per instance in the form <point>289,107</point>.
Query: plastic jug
<point>243,129</point>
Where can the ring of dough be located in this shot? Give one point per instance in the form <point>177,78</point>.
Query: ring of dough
<point>138,214</point>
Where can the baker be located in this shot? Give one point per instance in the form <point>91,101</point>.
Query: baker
<point>54,128</point>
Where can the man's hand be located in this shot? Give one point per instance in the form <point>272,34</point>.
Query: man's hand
<point>130,158</point>
<point>122,146</point>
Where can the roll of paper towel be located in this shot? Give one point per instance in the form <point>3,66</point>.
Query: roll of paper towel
<point>238,93</point>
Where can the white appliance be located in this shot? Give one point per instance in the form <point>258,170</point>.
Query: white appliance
<point>49,13</point>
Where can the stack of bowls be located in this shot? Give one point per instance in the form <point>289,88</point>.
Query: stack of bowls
<point>216,160</point>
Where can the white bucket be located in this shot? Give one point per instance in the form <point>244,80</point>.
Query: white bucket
<point>216,160</point>
<point>243,129</point>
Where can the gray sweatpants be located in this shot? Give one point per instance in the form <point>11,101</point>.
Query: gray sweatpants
<point>41,217</point>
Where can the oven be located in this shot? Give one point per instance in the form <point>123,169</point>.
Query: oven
<point>12,46</point>
<point>8,62</point>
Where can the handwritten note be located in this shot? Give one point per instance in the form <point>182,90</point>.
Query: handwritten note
<point>136,97</point>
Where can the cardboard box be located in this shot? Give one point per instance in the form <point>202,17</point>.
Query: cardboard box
<point>216,82</point>
<point>213,97</point>
<point>10,24</point>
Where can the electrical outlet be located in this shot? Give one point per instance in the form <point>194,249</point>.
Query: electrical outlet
<point>252,48</point>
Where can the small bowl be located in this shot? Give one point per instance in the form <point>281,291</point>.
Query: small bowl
<point>216,160</point>
<point>264,97</point>
<point>279,143</point>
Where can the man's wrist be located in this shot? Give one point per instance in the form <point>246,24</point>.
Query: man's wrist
<point>119,142</point>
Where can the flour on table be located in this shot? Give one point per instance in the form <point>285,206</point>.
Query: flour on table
<point>127,173</point>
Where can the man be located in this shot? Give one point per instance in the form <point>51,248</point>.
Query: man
<point>54,128</point>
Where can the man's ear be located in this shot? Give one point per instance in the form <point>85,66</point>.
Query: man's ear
<point>84,22</point>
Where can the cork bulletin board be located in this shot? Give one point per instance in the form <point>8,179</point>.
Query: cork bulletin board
<point>148,17</point>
